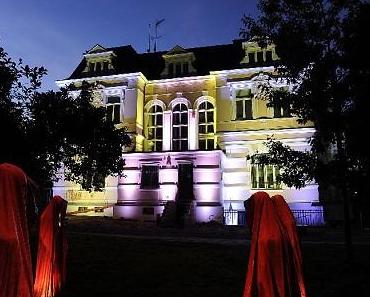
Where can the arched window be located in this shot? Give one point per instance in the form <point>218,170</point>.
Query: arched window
<point>180,127</point>
<point>155,127</point>
<point>206,126</point>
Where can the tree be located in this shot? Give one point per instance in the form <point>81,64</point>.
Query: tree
<point>45,131</point>
<point>320,45</point>
<point>297,168</point>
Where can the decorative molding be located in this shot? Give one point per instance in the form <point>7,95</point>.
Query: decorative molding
<point>116,77</point>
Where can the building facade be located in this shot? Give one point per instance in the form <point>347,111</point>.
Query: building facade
<point>196,120</point>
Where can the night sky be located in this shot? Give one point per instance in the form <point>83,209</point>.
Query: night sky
<point>56,33</point>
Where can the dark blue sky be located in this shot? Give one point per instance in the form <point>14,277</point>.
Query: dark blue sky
<point>56,33</point>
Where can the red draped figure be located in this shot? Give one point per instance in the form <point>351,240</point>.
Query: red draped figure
<point>287,220</point>
<point>52,250</point>
<point>271,269</point>
<point>15,256</point>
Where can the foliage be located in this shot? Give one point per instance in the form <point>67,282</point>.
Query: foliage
<point>322,55</point>
<point>297,167</point>
<point>45,132</point>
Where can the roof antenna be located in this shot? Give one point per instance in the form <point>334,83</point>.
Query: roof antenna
<point>155,37</point>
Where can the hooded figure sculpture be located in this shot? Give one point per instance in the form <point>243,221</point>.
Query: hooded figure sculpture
<point>52,250</point>
<point>271,261</point>
<point>16,206</point>
<point>287,220</point>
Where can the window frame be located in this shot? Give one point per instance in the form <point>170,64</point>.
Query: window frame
<point>279,110</point>
<point>257,169</point>
<point>243,100</point>
<point>208,122</point>
<point>179,114</point>
<point>115,106</point>
<point>153,125</point>
<point>145,181</point>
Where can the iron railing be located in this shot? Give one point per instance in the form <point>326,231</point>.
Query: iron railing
<point>302,217</point>
<point>234,217</point>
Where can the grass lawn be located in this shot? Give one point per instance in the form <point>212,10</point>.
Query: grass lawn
<point>113,266</point>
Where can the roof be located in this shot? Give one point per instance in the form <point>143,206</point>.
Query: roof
<point>127,60</point>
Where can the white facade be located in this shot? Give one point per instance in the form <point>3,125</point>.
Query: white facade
<point>213,122</point>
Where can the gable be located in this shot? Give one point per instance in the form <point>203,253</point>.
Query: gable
<point>96,49</point>
<point>176,50</point>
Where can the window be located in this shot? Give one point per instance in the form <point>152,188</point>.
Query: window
<point>265,176</point>
<point>268,56</point>
<point>243,102</point>
<point>279,110</point>
<point>170,70</point>
<point>178,69</point>
<point>259,57</point>
<point>113,107</point>
<point>251,58</point>
<point>186,68</point>
<point>91,67</point>
<point>206,125</point>
<point>180,127</point>
<point>148,210</point>
<point>206,144</point>
<point>98,67</point>
<point>105,66</point>
<point>155,127</point>
<point>149,176</point>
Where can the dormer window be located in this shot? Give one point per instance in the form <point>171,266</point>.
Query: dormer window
<point>98,67</point>
<point>99,60</point>
<point>178,62</point>
<point>256,54</point>
<point>185,68</point>
<point>268,56</point>
<point>251,58</point>
<point>170,70</point>
<point>178,69</point>
<point>105,65</point>
<point>260,57</point>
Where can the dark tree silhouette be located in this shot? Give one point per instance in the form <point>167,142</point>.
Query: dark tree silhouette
<point>322,54</point>
<point>44,132</point>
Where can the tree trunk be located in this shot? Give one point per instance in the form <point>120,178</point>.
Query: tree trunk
<point>342,178</point>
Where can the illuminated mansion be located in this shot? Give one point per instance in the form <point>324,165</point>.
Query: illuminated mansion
<point>195,123</point>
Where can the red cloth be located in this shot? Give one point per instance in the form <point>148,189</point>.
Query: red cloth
<point>15,256</point>
<point>287,220</point>
<point>52,250</point>
<point>270,259</point>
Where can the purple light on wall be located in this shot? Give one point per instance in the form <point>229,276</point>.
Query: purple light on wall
<point>207,193</point>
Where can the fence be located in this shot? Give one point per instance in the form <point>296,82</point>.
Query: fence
<point>234,217</point>
<point>302,217</point>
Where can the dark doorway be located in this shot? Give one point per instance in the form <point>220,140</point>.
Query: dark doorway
<point>185,193</point>
<point>185,180</point>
